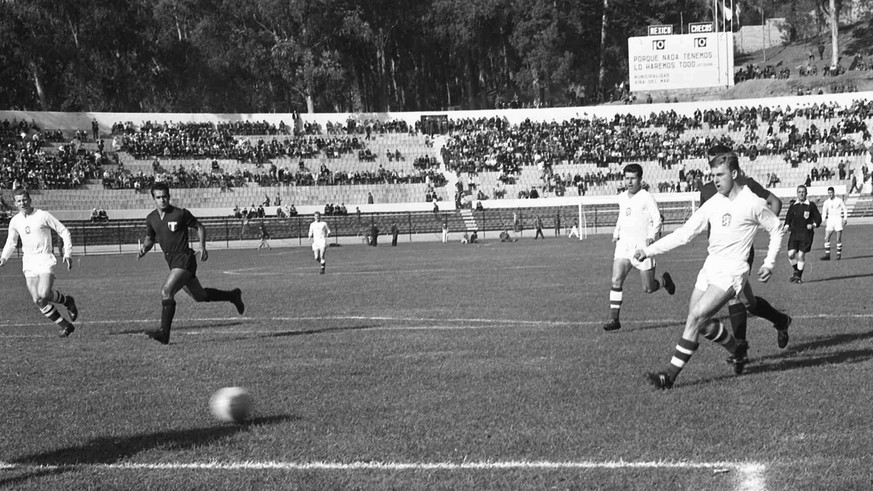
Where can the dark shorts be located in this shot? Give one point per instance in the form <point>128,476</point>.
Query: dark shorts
<point>802,244</point>
<point>751,257</point>
<point>182,260</point>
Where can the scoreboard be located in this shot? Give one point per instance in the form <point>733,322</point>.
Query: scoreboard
<point>681,61</point>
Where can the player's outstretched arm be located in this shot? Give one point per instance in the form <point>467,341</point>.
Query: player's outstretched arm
<point>146,246</point>
<point>201,234</point>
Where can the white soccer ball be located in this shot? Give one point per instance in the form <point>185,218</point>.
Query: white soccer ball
<point>231,404</point>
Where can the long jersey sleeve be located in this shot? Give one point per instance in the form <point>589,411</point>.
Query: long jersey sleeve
<point>35,231</point>
<point>733,223</point>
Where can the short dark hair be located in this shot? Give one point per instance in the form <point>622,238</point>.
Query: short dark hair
<point>729,158</point>
<point>20,191</point>
<point>635,169</point>
<point>718,149</point>
<point>160,186</point>
<point>830,188</point>
<point>801,186</point>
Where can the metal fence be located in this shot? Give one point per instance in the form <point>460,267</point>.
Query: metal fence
<point>229,232</point>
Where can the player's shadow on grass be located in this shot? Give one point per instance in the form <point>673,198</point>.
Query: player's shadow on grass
<point>110,450</point>
<point>181,327</point>
<point>799,356</point>
<point>837,278</point>
<point>321,330</point>
<point>656,325</point>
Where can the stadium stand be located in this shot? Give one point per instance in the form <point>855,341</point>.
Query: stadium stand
<point>313,161</point>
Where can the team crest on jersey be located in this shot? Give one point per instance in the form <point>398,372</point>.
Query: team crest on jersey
<point>726,220</point>
<point>172,226</point>
<point>627,211</point>
<point>27,230</point>
<point>806,215</point>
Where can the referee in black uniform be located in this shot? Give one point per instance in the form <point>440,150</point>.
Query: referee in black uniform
<point>802,219</point>
<point>169,225</point>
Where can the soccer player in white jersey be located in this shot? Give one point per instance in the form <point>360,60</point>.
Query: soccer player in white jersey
<point>318,232</point>
<point>733,217</point>
<point>639,222</point>
<point>835,217</point>
<point>34,227</point>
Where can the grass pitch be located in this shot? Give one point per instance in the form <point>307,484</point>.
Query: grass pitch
<point>439,366</point>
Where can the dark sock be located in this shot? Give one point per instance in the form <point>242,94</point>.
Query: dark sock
<point>168,311</point>
<point>739,319</point>
<point>215,295</point>
<point>764,310</point>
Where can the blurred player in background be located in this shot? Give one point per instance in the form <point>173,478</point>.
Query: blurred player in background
<point>801,220</point>
<point>835,216</point>
<point>639,222</point>
<point>318,232</point>
<point>169,226</point>
<point>264,236</point>
<point>34,227</point>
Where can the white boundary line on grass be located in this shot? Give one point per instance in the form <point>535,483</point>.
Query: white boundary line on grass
<point>461,323</point>
<point>750,475</point>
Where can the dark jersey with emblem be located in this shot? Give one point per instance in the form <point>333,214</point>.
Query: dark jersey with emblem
<point>799,216</point>
<point>171,232</point>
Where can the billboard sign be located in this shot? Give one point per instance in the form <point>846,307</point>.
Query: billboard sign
<point>661,30</point>
<point>700,27</point>
<point>681,61</point>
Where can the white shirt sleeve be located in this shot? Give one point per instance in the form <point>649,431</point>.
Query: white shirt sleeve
<point>62,232</point>
<point>684,234</point>
<point>11,241</point>
<point>770,223</point>
<point>655,217</point>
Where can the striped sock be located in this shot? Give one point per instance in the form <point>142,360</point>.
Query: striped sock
<point>827,246</point>
<point>684,350</point>
<point>53,315</point>
<point>58,297</point>
<point>839,249</point>
<point>714,331</point>
<point>615,295</point>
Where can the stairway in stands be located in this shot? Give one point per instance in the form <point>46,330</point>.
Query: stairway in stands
<point>469,220</point>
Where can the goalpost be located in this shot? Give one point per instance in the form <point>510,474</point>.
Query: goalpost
<point>583,222</point>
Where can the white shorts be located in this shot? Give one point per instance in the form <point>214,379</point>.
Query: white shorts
<point>626,250</point>
<point>34,265</point>
<point>319,246</point>
<point>834,226</point>
<point>723,274</point>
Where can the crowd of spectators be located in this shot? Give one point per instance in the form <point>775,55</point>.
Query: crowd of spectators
<point>25,162</point>
<point>492,144</point>
<point>755,72</point>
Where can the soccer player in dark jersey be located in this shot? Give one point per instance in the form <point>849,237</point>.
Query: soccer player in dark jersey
<point>169,226</point>
<point>801,219</point>
<point>755,305</point>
